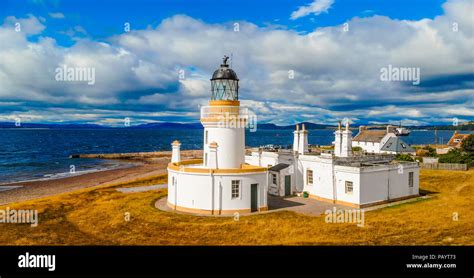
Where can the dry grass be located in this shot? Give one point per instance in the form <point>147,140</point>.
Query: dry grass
<point>95,216</point>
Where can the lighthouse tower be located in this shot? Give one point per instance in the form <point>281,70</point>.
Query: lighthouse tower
<point>224,121</point>
<point>221,183</point>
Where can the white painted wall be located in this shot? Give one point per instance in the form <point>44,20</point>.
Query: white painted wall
<point>370,147</point>
<point>373,147</point>
<point>278,189</point>
<point>213,192</point>
<point>384,183</point>
<point>322,175</point>
<point>231,145</point>
<point>369,183</point>
<point>343,174</point>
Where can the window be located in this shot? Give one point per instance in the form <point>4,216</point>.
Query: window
<point>349,187</point>
<point>235,189</point>
<point>274,178</point>
<point>206,135</point>
<point>410,179</point>
<point>309,176</point>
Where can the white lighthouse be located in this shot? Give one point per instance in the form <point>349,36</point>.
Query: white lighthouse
<point>224,120</point>
<point>220,183</point>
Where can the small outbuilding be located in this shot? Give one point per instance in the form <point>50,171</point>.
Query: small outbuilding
<point>281,180</point>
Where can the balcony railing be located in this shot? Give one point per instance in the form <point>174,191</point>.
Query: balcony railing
<point>222,112</point>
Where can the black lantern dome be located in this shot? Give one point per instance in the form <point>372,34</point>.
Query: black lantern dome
<point>225,83</point>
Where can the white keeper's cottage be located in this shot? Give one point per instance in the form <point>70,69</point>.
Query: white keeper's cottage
<point>338,176</point>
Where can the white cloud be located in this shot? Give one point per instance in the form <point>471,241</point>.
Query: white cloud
<point>30,25</point>
<point>337,74</point>
<point>57,15</point>
<point>316,7</point>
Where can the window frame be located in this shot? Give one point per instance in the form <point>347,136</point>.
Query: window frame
<point>308,177</point>
<point>346,186</point>
<point>274,179</point>
<point>235,193</point>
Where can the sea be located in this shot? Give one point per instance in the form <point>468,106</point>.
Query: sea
<point>36,154</point>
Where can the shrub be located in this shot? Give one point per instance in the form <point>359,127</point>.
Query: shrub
<point>430,151</point>
<point>404,157</point>
<point>455,156</point>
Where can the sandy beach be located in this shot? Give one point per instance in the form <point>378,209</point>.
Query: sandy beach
<point>142,168</point>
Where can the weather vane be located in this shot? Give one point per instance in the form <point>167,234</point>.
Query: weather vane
<point>225,59</point>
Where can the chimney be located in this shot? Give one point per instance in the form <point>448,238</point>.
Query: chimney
<point>338,140</point>
<point>346,144</point>
<point>296,138</point>
<point>362,128</point>
<point>343,141</point>
<point>303,144</point>
<point>390,129</point>
<point>176,152</point>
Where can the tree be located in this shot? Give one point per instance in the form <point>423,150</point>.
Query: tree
<point>467,146</point>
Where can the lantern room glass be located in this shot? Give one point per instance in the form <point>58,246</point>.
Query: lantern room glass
<point>225,89</point>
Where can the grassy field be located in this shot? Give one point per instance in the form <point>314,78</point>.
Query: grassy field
<point>97,216</point>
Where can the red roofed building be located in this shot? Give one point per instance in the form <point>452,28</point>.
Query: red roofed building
<point>456,140</point>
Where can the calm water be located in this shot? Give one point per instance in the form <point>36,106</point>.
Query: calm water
<point>41,153</point>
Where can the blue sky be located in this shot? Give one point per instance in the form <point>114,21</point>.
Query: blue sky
<point>103,19</point>
<point>337,70</point>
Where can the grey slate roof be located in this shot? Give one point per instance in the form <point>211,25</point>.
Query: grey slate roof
<point>278,167</point>
<point>395,144</point>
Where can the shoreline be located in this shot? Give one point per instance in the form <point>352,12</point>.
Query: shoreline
<point>137,169</point>
<point>65,175</point>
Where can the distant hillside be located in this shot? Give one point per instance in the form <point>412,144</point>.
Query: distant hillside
<point>168,125</point>
<point>466,126</point>
<point>292,127</point>
<point>52,126</point>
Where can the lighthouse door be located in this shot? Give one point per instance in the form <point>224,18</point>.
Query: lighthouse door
<point>254,197</point>
<point>287,185</point>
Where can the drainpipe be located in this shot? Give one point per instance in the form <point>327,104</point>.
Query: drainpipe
<point>296,172</point>
<point>334,182</point>
<point>212,190</point>
<point>388,184</point>
<point>265,192</point>
<point>176,191</point>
